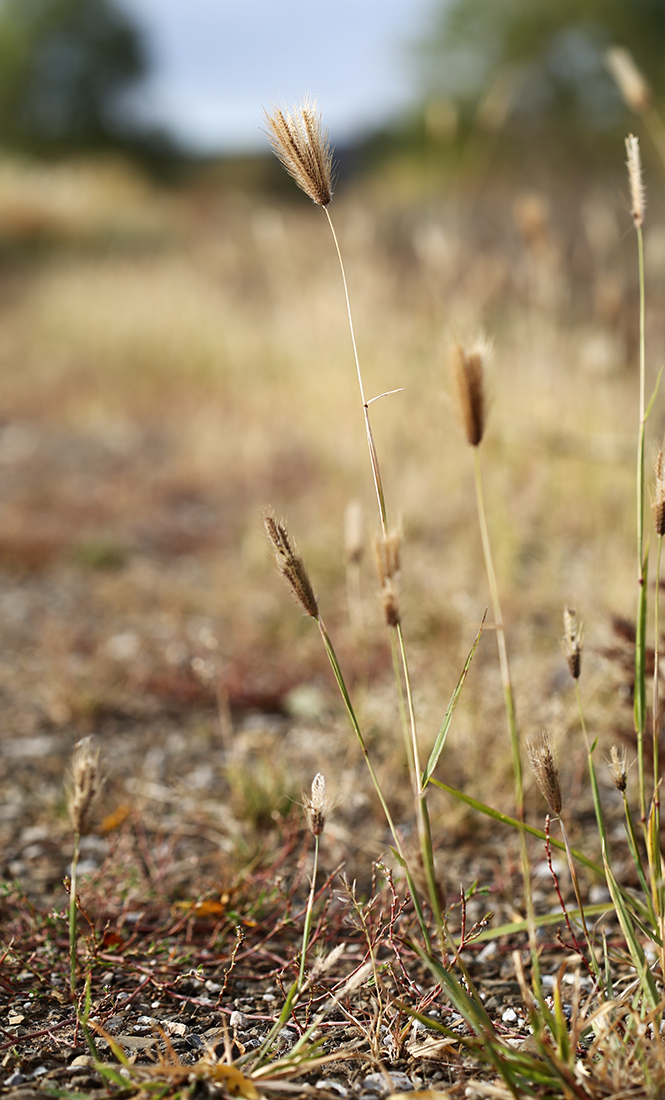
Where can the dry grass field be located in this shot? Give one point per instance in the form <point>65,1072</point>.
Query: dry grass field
<point>173,361</point>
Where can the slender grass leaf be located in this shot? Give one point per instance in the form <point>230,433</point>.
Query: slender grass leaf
<point>445,725</point>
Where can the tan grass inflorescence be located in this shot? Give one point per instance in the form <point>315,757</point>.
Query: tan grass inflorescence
<point>301,143</point>
<point>572,642</point>
<point>315,805</point>
<point>546,770</point>
<point>468,363</point>
<point>290,565</point>
<point>635,180</point>
<point>84,784</point>
<point>658,495</point>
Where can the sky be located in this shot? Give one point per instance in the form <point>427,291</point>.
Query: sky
<point>217,63</point>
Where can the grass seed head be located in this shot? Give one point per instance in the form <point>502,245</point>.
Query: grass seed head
<point>545,768</point>
<point>315,805</point>
<point>618,768</point>
<point>632,85</point>
<point>658,495</point>
<point>635,181</point>
<point>291,565</point>
<point>301,143</point>
<point>468,362</point>
<point>387,550</point>
<point>572,642</point>
<point>84,784</point>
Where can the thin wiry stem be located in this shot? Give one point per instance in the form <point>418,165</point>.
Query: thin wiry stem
<point>511,716</point>
<point>376,471</point>
<point>422,817</point>
<point>308,914</point>
<point>73,930</point>
<point>642,577</point>
<point>339,677</point>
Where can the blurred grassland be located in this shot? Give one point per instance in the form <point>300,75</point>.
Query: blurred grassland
<point>198,337</point>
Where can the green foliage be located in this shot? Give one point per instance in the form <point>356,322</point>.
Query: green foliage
<point>64,67</point>
<point>553,49</point>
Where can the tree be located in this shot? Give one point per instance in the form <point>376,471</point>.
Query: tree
<point>555,48</point>
<point>65,68</point>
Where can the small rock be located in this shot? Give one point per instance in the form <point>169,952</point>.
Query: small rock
<point>83,1060</point>
<point>14,1019</point>
<point>237,1019</point>
<point>171,1027</point>
<point>509,1016</point>
<point>14,1079</point>
<point>332,1086</point>
<point>381,1084</point>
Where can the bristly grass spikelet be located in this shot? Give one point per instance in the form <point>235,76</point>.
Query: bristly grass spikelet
<point>315,805</point>
<point>301,143</point>
<point>658,495</point>
<point>84,785</point>
<point>572,642</point>
<point>635,180</point>
<point>291,566</point>
<point>468,363</point>
<point>618,767</point>
<point>546,771</point>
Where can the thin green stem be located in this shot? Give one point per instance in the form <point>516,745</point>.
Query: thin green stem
<point>642,566</point>
<point>511,716</point>
<point>339,677</point>
<point>656,670</point>
<point>597,805</point>
<point>73,924</point>
<point>500,637</point>
<point>376,472</point>
<point>308,914</point>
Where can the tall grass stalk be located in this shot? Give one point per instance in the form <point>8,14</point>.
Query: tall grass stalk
<point>302,145</point>
<point>637,210</point>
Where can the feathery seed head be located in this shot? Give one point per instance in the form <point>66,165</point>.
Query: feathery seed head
<point>290,565</point>
<point>572,642</point>
<point>300,141</point>
<point>84,784</point>
<point>632,85</point>
<point>618,767</point>
<point>467,370</point>
<point>635,181</point>
<point>387,552</point>
<point>545,768</point>
<point>657,495</point>
<point>315,805</point>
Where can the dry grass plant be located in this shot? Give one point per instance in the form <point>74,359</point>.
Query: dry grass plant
<point>301,145</point>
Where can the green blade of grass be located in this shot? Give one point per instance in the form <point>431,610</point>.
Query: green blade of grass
<point>505,819</point>
<point>445,725</point>
<point>634,947</point>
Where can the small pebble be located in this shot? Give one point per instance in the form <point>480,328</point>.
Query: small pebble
<point>332,1086</point>
<point>14,1079</point>
<point>237,1019</point>
<point>509,1016</point>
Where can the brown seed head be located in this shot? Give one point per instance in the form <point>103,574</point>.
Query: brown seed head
<point>632,85</point>
<point>291,565</point>
<point>84,784</point>
<point>467,375</point>
<point>315,805</point>
<point>618,768</point>
<point>572,642</point>
<point>658,495</point>
<point>544,765</point>
<point>635,181</point>
<point>387,550</point>
<point>301,143</point>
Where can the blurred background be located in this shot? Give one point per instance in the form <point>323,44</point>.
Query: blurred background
<point>174,357</point>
